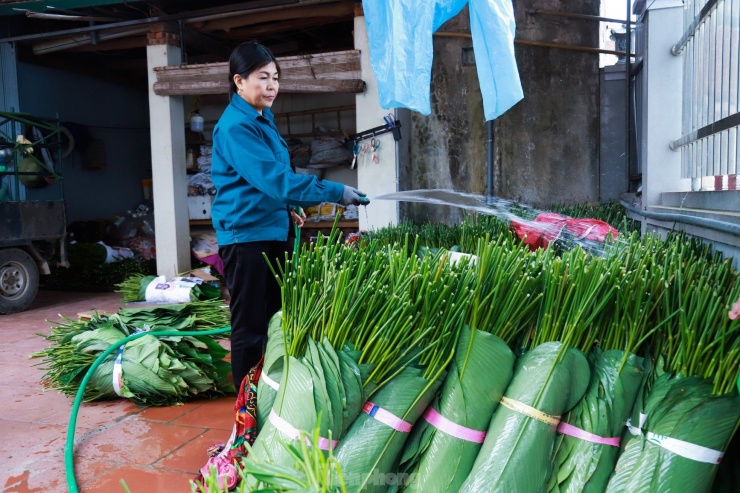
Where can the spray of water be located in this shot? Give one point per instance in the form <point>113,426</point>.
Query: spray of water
<point>507,210</point>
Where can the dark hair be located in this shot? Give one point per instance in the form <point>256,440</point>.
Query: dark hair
<point>246,58</point>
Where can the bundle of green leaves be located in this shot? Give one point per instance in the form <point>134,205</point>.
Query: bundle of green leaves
<point>581,461</point>
<point>548,380</point>
<point>155,371</point>
<point>134,288</point>
<point>505,300</point>
<point>690,408</point>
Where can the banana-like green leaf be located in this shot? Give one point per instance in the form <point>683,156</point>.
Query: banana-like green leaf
<point>682,409</point>
<point>295,404</point>
<point>436,461</point>
<point>272,367</point>
<point>580,465</point>
<point>352,385</point>
<point>370,450</point>
<point>516,453</point>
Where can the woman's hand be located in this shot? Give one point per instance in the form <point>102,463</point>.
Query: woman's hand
<point>298,219</point>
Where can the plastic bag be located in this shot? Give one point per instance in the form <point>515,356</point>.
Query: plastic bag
<point>401,50</point>
<point>553,225</point>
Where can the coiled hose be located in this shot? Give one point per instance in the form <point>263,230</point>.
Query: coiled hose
<point>69,445</point>
<point>69,466</point>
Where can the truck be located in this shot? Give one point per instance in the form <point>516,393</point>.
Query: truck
<point>32,209</point>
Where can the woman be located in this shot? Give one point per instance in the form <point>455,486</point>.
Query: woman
<point>255,190</point>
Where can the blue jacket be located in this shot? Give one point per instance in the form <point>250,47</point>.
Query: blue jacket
<point>253,179</point>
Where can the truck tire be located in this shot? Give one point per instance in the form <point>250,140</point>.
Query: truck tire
<point>19,280</point>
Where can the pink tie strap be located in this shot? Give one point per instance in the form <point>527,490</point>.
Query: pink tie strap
<point>293,433</point>
<point>568,429</point>
<point>451,428</point>
<point>386,417</point>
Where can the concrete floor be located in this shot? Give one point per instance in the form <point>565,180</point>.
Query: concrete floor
<point>151,449</point>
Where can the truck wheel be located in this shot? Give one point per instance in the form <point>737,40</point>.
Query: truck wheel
<point>19,280</point>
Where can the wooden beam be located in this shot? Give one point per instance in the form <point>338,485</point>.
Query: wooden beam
<point>354,86</point>
<point>326,72</point>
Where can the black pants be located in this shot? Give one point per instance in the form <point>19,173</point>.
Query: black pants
<point>255,297</point>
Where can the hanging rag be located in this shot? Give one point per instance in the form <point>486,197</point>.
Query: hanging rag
<point>401,50</point>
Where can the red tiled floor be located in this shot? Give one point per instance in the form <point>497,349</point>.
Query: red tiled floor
<point>139,441</point>
<point>217,414</point>
<point>140,480</point>
<point>192,456</point>
<point>169,413</point>
<point>152,449</point>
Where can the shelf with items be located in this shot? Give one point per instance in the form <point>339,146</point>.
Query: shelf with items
<point>311,229</point>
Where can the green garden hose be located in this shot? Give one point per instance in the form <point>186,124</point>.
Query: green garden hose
<point>69,445</point>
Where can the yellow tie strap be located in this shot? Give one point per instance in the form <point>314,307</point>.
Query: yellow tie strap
<point>529,411</point>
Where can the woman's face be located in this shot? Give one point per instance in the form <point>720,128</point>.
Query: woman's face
<point>260,88</point>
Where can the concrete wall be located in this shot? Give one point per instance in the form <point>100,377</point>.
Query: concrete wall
<point>546,146</point>
<point>116,115</point>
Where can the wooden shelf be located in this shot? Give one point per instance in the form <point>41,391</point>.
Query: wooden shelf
<point>342,223</point>
<point>201,222</point>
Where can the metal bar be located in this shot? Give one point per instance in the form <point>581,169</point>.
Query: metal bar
<point>734,76</point>
<point>317,110</point>
<point>540,44</point>
<point>708,130</point>
<point>579,16</point>
<point>711,25</point>
<point>628,77</point>
<point>64,17</point>
<point>689,33</point>
<point>489,161</point>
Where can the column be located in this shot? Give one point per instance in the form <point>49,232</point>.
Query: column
<point>169,179</point>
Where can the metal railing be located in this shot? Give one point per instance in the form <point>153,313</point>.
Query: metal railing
<point>710,47</point>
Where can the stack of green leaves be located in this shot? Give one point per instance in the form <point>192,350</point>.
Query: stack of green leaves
<point>134,288</point>
<point>155,371</point>
<point>548,380</point>
<point>585,461</point>
<point>505,298</point>
<point>692,408</point>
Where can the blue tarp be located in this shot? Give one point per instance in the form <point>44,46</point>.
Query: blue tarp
<point>401,50</point>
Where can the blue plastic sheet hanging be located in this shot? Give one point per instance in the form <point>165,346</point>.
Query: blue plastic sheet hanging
<point>401,50</point>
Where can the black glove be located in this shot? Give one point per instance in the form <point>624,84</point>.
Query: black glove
<point>352,196</point>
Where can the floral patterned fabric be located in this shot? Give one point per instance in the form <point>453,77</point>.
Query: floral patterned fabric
<point>226,457</point>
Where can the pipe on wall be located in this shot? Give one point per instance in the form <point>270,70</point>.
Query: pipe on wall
<point>725,227</point>
<point>541,44</point>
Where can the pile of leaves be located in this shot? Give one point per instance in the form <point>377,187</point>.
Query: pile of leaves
<point>156,371</point>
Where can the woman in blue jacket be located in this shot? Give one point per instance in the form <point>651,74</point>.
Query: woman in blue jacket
<point>255,192</point>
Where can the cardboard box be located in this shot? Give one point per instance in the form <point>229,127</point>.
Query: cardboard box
<point>199,206</point>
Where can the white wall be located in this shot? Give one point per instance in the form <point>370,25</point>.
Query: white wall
<point>374,178</point>
<point>661,112</point>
